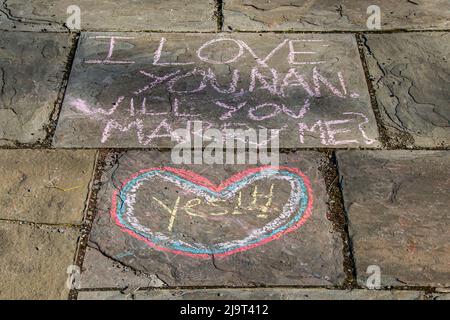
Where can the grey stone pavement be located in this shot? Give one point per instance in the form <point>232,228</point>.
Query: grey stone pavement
<point>94,207</point>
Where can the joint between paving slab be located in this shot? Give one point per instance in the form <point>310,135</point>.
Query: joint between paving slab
<point>219,15</point>
<point>90,187</point>
<point>336,214</point>
<point>286,150</point>
<point>39,146</point>
<point>43,225</point>
<point>424,290</point>
<point>103,157</point>
<point>54,117</point>
<point>382,131</point>
<point>89,215</point>
<point>216,288</point>
<point>84,229</point>
<point>354,32</point>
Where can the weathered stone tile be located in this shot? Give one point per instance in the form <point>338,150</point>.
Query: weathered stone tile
<point>441,293</point>
<point>441,296</point>
<point>45,186</point>
<point>311,87</point>
<point>239,237</point>
<point>100,271</point>
<point>15,19</point>
<point>109,15</point>
<point>254,294</point>
<point>34,261</point>
<point>314,15</point>
<point>31,71</point>
<point>397,204</point>
<point>410,73</point>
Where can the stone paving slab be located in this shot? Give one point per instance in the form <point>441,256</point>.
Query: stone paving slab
<point>109,15</point>
<point>397,204</point>
<point>101,272</point>
<point>328,15</point>
<point>34,261</point>
<point>442,296</point>
<point>45,186</point>
<point>310,87</point>
<point>246,235</point>
<point>31,71</point>
<point>254,294</point>
<point>410,73</point>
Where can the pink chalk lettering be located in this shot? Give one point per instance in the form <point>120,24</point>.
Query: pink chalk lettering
<point>158,53</point>
<point>202,84</point>
<point>341,81</point>
<point>163,130</point>
<point>157,80</point>
<point>183,136</point>
<point>301,113</point>
<point>112,43</point>
<point>146,113</point>
<point>182,115</point>
<point>262,62</point>
<point>318,78</point>
<point>232,110</point>
<point>262,141</point>
<point>276,111</point>
<point>231,131</point>
<point>213,81</point>
<point>298,81</point>
<point>132,107</point>
<point>333,132</point>
<point>83,107</point>
<point>256,75</point>
<point>198,130</point>
<point>328,132</point>
<point>367,140</point>
<point>113,124</point>
<point>207,44</point>
<point>302,127</point>
<point>293,53</point>
<point>157,134</point>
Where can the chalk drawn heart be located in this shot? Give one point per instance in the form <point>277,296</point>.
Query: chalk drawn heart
<point>294,213</point>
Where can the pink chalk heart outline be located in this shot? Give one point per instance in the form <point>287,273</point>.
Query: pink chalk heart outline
<point>294,213</point>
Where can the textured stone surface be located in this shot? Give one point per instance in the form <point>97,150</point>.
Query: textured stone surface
<point>45,186</point>
<point>109,15</point>
<point>101,272</point>
<point>442,296</point>
<point>34,261</point>
<point>311,254</point>
<point>311,87</point>
<point>254,294</point>
<point>283,15</point>
<point>411,77</point>
<point>397,203</point>
<point>31,71</point>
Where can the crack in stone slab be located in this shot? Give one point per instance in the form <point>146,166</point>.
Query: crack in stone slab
<point>23,20</point>
<point>125,267</point>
